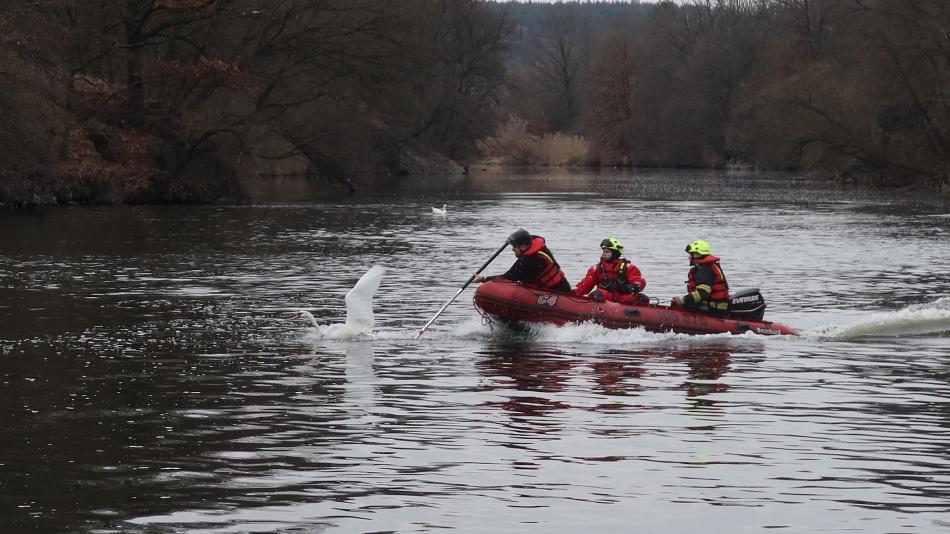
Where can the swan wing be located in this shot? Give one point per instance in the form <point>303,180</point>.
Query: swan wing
<point>359,301</point>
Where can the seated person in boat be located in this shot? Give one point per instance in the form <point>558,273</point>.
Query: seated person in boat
<point>707,285</point>
<point>614,278</point>
<point>535,265</point>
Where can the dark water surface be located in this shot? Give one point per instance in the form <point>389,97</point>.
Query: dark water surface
<point>152,382</point>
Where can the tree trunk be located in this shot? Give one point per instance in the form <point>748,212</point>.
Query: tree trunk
<point>135,89</point>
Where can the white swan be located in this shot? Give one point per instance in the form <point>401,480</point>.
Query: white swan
<point>359,308</point>
<point>442,211</point>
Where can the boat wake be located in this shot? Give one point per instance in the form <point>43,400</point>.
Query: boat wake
<point>585,334</point>
<point>928,319</point>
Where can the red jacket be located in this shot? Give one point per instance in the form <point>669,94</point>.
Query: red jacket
<point>618,281</point>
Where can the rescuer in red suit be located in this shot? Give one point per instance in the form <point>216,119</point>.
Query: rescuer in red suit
<point>614,277</point>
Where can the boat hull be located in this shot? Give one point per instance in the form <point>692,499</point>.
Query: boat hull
<point>515,303</point>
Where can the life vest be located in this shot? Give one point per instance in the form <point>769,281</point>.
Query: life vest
<point>613,277</point>
<point>719,290</point>
<point>552,273</point>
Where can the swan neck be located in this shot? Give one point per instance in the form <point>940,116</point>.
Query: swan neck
<point>313,320</point>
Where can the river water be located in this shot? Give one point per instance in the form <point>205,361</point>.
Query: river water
<point>153,382</point>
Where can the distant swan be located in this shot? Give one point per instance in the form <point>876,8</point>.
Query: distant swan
<point>359,308</point>
<point>437,211</point>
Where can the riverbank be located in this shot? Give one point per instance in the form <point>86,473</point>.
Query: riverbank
<point>107,188</point>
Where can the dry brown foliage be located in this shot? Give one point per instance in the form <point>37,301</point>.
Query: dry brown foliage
<point>514,145</point>
<point>86,83</point>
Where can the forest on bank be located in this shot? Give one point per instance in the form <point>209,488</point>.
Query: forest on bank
<point>189,100</point>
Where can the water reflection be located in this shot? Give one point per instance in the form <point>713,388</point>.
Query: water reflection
<point>617,374</point>
<point>540,381</point>
<point>707,366</point>
<point>516,367</point>
<point>359,395</point>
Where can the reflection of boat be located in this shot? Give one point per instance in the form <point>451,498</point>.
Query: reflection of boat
<point>515,303</point>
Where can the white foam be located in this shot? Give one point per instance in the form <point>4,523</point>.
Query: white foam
<point>584,333</point>
<point>591,333</point>
<point>916,319</point>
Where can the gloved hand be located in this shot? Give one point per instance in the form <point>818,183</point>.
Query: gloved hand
<point>677,301</point>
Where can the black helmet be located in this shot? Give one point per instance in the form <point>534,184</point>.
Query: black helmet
<point>519,237</point>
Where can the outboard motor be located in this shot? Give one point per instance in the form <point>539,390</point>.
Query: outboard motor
<point>747,304</point>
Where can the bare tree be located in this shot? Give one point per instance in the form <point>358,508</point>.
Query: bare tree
<point>811,21</point>
<point>558,51</point>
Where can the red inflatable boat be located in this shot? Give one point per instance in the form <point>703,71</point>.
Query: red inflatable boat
<point>510,302</point>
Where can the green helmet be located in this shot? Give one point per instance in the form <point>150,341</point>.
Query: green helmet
<point>612,243</point>
<point>699,247</point>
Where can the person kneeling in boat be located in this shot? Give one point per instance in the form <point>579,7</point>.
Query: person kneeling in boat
<point>707,285</point>
<point>535,265</point>
<point>614,277</point>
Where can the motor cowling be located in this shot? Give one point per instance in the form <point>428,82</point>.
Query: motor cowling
<point>747,304</point>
